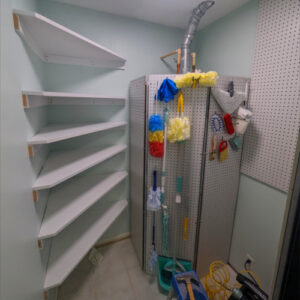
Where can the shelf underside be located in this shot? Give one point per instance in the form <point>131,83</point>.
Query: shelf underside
<point>54,133</point>
<point>67,203</point>
<point>33,99</point>
<point>55,43</point>
<point>70,246</point>
<point>62,165</point>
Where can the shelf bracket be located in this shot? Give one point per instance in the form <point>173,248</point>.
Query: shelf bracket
<point>16,21</point>
<point>25,101</point>
<point>35,196</point>
<point>40,244</point>
<point>30,151</point>
<point>46,295</point>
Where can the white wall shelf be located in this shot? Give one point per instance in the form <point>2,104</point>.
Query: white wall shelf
<point>54,132</point>
<point>55,43</point>
<point>33,99</point>
<point>62,165</point>
<point>67,203</point>
<point>71,245</point>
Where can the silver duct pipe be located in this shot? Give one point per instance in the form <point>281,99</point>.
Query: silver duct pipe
<point>198,13</point>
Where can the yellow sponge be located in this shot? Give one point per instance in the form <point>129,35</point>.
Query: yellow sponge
<point>156,136</point>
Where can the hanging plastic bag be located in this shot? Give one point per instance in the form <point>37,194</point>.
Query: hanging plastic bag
<point>244,116</point>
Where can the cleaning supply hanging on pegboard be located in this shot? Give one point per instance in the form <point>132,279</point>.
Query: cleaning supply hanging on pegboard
<point>216,126</point>
<point>167,90</point>
<point>223,151</point>
<point>208,79</point>
<point>156,134</point>
<point>165,215</point>
<point>229,124</point>
<point>154,195</point>
<point>230,100</point>
<point>153,204</point>
<point>179,128</point>
<point>244,116</point>
<point>235,143</point>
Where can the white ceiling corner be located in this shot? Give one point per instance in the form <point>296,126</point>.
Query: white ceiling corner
<point>173,13</point>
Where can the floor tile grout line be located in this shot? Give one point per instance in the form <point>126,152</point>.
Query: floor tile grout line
<point>131,284</point>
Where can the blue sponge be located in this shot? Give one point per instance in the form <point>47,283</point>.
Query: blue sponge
<point>156,123</point>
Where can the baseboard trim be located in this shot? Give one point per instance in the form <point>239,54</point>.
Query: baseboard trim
<point>112,240</point>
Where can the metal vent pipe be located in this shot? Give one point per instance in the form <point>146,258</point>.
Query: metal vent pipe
<point>198,13</point>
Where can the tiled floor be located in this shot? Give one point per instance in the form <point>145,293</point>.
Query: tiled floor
<point>118,276</point>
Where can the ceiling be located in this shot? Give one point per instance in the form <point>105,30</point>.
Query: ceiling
<point>174,13</point>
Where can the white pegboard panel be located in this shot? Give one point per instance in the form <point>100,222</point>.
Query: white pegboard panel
<point>270,140</point>
<point>220,186</point>
<point>220,191</point>
<point>194,108</point>
<point>137,103</point>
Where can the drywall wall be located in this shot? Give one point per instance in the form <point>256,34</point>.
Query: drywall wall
<point>22,269</point>
<point>228,47</point>
<point>258,223</point>
<point>139,42</point>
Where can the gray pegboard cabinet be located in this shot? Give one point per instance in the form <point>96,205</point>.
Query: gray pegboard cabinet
<point>220,183</point>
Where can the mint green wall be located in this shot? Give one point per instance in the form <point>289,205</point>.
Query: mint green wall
<point>21,267</point>
<point>227,46</point>
<point>258,223</point>
<point>139,42</point>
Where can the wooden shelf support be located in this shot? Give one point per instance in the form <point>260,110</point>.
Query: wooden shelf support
<point>178,52</point>
<point>40,244</point>
<point>35,196</point>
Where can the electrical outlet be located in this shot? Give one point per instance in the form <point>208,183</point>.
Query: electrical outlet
<point>252,260</point>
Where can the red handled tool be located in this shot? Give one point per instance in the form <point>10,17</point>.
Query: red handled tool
<point>228,124</point>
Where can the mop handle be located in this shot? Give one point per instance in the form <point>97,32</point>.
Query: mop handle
<point>154,181</point>
<point>179,184</point>
<point>153,231</point>
<point>163,172</point>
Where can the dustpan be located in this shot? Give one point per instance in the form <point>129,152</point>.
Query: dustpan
<point>164,278</point>
<point>179,128</point>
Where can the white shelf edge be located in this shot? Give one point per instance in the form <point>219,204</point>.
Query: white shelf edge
<point>63,165</point>
<point>55,132</point>
<point>45,26</point>
<point>42,98</point>
<point>66,204</point>
<point>69,247</point>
